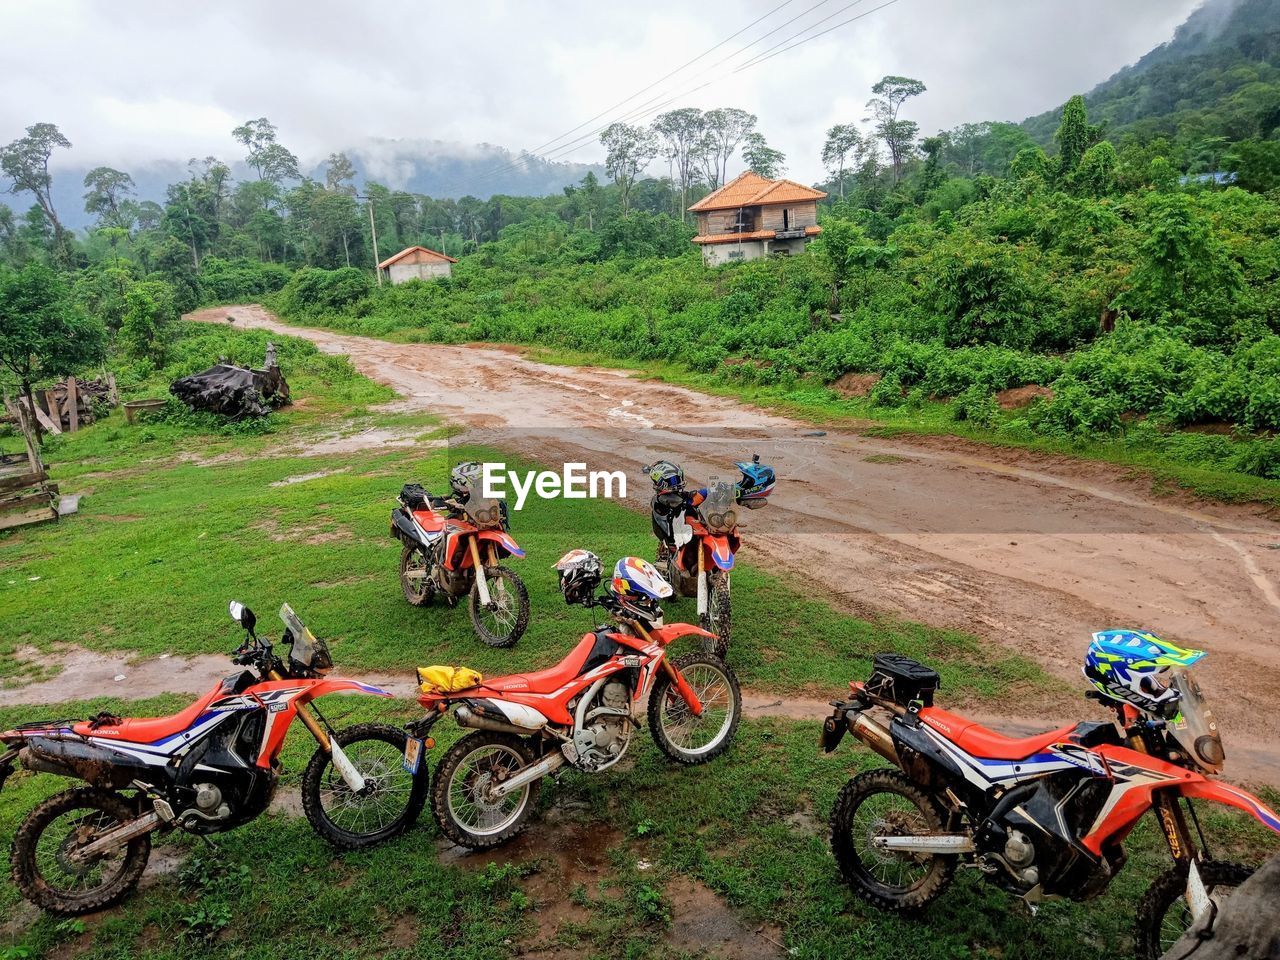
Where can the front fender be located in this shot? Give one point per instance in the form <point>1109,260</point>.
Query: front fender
<point>342,685</point>
<point>1220,792</point>
<point>721,550</point>
<point>504,542</point>
<point>674,631</point>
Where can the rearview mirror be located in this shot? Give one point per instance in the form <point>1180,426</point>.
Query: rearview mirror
<point>242,615</point>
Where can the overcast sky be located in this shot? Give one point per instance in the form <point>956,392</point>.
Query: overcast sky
<point>136,80</point>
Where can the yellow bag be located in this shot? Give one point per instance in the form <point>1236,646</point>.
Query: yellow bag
<point>447,679</point>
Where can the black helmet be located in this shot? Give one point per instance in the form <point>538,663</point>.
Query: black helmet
<point>580,572</point>
<point>666,477</point>
<point>464,477</point>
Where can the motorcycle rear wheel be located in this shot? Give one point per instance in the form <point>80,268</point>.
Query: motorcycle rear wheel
<point>886,802</point>
<point>418,589</point>
<point>55,828</point>
<point>505,620</point>
<point>1163,914</point>
<point>463,810</point>
<point>392,799</point>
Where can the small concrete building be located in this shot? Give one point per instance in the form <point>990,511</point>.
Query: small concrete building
<point>751,217</point>
<point>417,263</point>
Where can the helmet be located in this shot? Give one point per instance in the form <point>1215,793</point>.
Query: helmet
<point>638,587</point>
<point>464,477</point>
<point>758,480</point>
<point>1127,665</point>
<point>666,477</point>
<point>580,572</point>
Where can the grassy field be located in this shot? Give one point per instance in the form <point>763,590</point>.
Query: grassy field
<point>178,519</point>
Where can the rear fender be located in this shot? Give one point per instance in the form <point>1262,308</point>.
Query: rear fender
<point>404,529</point>
<point>1220,792</point>
<point>506,546</point>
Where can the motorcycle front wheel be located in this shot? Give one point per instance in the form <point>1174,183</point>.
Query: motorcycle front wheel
<point>690,739</point>
<point>1163,914</point>
<point>886,803</point>
<point>465,808</point>
<point>42,864</point>
<point>388,805</point>
<point>503,621</point>
<point>718,615</point>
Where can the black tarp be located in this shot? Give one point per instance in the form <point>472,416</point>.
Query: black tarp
<point>233,391</point>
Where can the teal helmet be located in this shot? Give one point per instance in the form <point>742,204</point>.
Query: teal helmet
<point>1126,665</point>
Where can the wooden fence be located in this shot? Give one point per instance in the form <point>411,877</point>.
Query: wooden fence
<point>26,495</point>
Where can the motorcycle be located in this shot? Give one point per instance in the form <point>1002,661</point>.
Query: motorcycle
<point>453,547</point>
<point>580,713</point>
<point>698,537</point>
<point>1043,817</point>
<point>205,770</point>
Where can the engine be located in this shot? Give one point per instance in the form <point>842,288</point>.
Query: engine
<point>603,727</point>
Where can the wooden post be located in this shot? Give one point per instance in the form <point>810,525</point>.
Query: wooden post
<point>45,421</point>
<point>73,406</point>
<point>113,395</point>
<point>28,435</point>
<point>55,412</point>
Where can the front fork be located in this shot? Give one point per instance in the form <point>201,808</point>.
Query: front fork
<point>1173,824</point>
<point>681,684</point>
<point>350,775</point>
<point>482,583</point>
<point>703,602</point>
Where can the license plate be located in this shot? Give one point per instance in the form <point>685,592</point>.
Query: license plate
<point>412,755</point>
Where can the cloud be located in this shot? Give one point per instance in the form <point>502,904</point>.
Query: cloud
<point>146,80</point>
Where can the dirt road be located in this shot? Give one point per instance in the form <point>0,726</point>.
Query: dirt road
<point>1031,551</point>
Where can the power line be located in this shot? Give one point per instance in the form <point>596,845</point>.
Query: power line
<point>687,63</point>
<point>586,138</point>
<point>760,58</point>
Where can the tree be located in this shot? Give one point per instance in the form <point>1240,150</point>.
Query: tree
<point>150,314</point>
<point>681,132</point>
<point>842,140</point>
<point>898,135</point>
<point>1256,164</point>
<point>1073,135</point>
<point>761,158</point>
<point>273,162</point>
<point>1096,174</point>
<point>724,129</point>
<point>107,196</point>
<point>338,170</point>
<point>25,162</point>
<point>628,151</point>
<point>42,333</point>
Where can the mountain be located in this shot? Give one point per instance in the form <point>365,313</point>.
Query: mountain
<point>432,167</point>
<point>1218,77</point>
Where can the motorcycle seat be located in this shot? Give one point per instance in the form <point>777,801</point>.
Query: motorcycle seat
<point>429,520</point>
<point>149,729</point>
<point>978,741</point>
<point>552,678</point>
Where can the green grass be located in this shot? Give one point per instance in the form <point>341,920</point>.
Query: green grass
<point>164,539</point>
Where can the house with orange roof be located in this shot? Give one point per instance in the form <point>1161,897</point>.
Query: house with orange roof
<point>751,217</point>
<point>417,263</point>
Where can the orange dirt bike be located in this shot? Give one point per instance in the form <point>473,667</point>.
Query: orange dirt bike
<point>207,769</point>
<point>1043,817</point>
<point>698,536</point>
<point>453,548</point>
<point>580,713</point>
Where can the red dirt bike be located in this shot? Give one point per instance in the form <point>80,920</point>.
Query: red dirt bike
<point>206,770</point>
<point>1044,817</point>
<point>581,713</point>
<point>454,549</point>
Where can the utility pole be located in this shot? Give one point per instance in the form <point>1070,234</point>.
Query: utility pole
<point>373,232</point>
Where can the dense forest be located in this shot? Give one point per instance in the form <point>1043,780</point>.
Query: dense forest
<point>1124,264</point>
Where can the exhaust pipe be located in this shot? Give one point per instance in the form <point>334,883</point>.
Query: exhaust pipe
<point>535,771</point>
<point>39,764</point>
<point>875,735</point>
<point>466,717</point>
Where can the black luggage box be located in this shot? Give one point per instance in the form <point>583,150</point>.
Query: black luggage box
<point>902,680</point>
<point>414,496</point>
